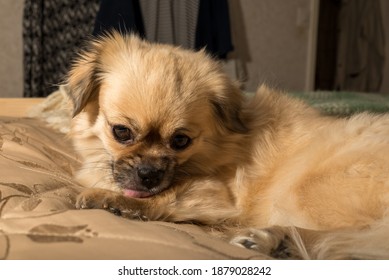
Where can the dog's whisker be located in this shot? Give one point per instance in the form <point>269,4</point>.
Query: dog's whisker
<point>89,149</point>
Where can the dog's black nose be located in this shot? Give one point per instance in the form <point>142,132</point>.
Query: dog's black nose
<point>150,176</point>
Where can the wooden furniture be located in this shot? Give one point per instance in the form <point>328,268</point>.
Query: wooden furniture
<point>17,107</point>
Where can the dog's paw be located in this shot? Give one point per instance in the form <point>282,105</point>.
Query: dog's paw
<point>95,199</point>
<point>257,239</point>
<point>272,242</point>
<point>111,201</point>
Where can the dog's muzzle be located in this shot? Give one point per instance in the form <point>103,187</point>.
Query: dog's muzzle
<point>137,178</point>
<point>149,176</point>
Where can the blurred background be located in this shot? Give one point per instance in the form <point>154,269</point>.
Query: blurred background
<point>299,45</point>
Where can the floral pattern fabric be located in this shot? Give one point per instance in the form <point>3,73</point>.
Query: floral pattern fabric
<point>38,219</point>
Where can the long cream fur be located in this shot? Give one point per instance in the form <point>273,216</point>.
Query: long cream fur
<point>270,172</point>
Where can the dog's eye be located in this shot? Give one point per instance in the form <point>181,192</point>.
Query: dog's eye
<point>180,142</point>
<point>122,134</point>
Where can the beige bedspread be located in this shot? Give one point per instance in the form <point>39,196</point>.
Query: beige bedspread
<point>38,219</point>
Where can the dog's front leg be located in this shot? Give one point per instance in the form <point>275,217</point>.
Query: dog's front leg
<point>118,204</point>
<point>184,203</point>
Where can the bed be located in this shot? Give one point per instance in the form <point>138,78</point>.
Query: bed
<point>37,215</point>
<point>37,193</point>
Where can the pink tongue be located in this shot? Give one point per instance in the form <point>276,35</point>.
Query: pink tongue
<point>136,194</point>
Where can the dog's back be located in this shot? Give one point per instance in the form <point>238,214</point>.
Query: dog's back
<point>320,173</point>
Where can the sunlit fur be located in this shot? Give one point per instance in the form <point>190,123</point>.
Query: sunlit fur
<point>265,169</point>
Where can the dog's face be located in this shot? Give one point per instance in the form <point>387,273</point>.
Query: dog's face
<point>161,113</point>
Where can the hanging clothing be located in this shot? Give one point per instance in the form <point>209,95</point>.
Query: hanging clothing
<point>53,30</point>
<point>171,21</point>
<point>213,28</point>
<point>122,15</point>
<point>361,49</point>
<point>194,24</point>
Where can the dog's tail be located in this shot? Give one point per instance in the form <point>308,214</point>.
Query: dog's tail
<point>369,242</point>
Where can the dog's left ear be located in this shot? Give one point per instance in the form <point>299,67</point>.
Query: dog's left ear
<point>83,78</point>
<point>228,110</point>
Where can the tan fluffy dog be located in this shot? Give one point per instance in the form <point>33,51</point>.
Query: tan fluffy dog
<point>166,135</point>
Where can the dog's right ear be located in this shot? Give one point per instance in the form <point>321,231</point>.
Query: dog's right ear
<point>83,78</point>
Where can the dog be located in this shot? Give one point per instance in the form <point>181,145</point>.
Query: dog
<point>165,134</point>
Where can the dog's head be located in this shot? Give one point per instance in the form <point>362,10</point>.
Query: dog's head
<point>162,113</point>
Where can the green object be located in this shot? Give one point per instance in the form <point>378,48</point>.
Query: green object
<point>342,103</point>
